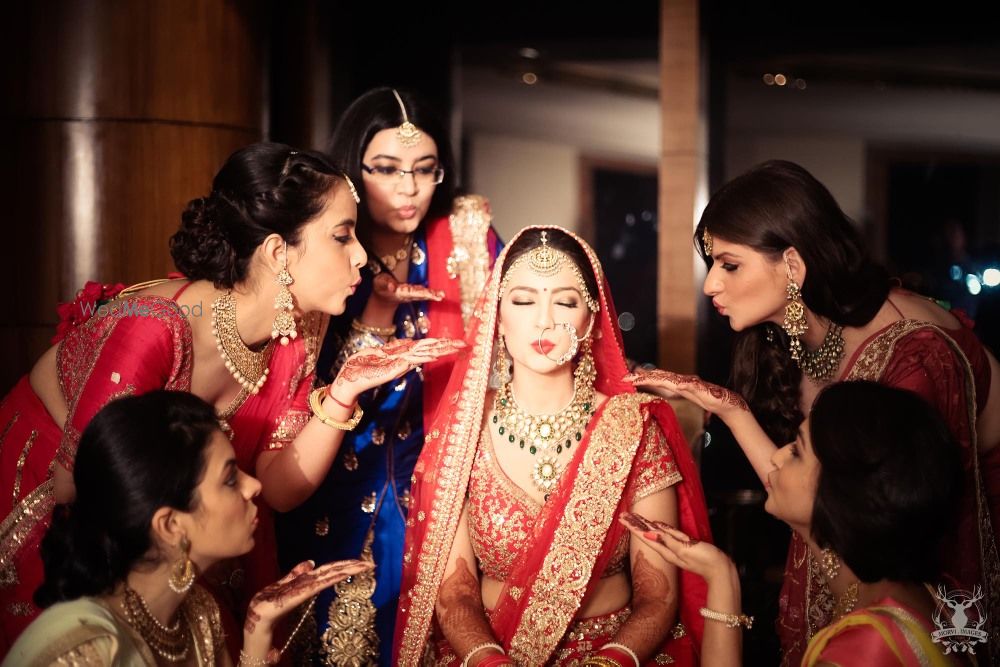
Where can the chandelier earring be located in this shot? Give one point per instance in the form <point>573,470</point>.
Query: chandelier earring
<point>794,323</point>
<point>284,321</point>
<point>182,573</point>
<point>585,372</point>
<point>503,362</point>
<point>829,563</point>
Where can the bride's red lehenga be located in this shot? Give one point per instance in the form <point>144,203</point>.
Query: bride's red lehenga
<point>549,557</point>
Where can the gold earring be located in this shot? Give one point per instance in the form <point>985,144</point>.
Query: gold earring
<point>284,322</point>
<point>829,563</point>
<point>585,373</point>
<point>795,318</point>
<point>502,367</point>
<point>182,574</point>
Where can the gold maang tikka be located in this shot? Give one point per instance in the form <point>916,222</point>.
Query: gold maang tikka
<point>407,132</point>
<point>546,261</point>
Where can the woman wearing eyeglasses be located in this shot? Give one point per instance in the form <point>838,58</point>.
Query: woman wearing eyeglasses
<point>429,257</point>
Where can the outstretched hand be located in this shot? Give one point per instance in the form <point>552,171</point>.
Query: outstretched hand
<point>304,581</point>
<point>675,547</point>
<point>374,366</point>
<point>710,397</point>
<point>390,290</point>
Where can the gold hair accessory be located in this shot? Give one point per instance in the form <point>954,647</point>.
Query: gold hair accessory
<point>182,574</point>
<point>242,363</point>
<point>354,190</point>
<point>706,241</point>
<point>316,404</point>
<point>730,620</point>
<point>407,132</point>
<point>794,323</point>
<point>284,321</point>
<point>545,261</point>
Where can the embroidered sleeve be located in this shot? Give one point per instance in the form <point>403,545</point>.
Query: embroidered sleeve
<point>290,421</point>
<point>140,345</point>
<point>657,469</point>
<point>97,651</point>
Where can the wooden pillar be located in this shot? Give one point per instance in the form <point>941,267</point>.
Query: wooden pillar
<point>121,111</point>
<point>683,162</point>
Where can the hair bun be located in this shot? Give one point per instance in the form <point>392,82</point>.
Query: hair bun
<point>200,248</point>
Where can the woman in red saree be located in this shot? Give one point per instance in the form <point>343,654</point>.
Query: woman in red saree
<point>267,254</point>
<point>513,554</point>
<point>853,485</point>
<point>790,272</point>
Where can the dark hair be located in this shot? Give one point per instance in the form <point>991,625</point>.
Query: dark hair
<point>378,110</point>
<point>889,481</point>
<point>559,240</point>
<point>136,455</point>
<point>262,189</point>
<point>775,206</point>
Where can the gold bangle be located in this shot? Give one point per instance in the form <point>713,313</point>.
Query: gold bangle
<point>601,661</point>
<point>315,402</point>
<point>481,647</point>
<point>730,620</point>
<point>384,332</point>
<point>246,660</point>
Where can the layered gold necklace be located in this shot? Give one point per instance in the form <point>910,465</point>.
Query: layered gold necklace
<point>171,643</point>
<point>247,367</point>
<point>823,362</point>
<point>544,436</point>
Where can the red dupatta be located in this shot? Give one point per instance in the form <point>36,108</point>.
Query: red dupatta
<point>576,530</point>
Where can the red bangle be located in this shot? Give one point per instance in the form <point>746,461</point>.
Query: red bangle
<point>329,393</point>
<point>494,661</point>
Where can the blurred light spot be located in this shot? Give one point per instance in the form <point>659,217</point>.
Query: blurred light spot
<point>973,284</point>
<point>991,277</point>
<point>629,219</point>
<point>529,78</point>
<point>780,79</point>
<point>618,251</point>
<point>768,79</point>
<point>956,272</point>
<point>646,216</point>
<point>626,321</point>
<point>800,84</point>
<point>528,52</point>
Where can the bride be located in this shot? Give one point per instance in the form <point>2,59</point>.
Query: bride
<point>513,552</point>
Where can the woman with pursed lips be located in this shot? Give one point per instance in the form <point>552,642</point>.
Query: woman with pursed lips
<point>869,484</point>
<point>159,499</point>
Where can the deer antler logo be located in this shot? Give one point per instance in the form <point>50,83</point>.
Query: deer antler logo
<point>959,618</point>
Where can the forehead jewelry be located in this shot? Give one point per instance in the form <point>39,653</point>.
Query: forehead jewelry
<point>546,261</point>
<point>407,133</point>
<point>706,240</point>
<point>354,190</point>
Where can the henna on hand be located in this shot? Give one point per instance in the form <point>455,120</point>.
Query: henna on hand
<point>653,609</point>
<point>460,610</point>
<point>301,583</point>
<point>253,618</point>
<point>658,376</point>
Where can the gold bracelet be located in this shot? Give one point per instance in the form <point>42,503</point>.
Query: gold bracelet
<point>247,661</point>
<point>730,620</point>
<point>316,403</point>
<point>601,661</point>
<point>384,332</point>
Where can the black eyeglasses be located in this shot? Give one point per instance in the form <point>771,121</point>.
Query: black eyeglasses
<point>423,175</point>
